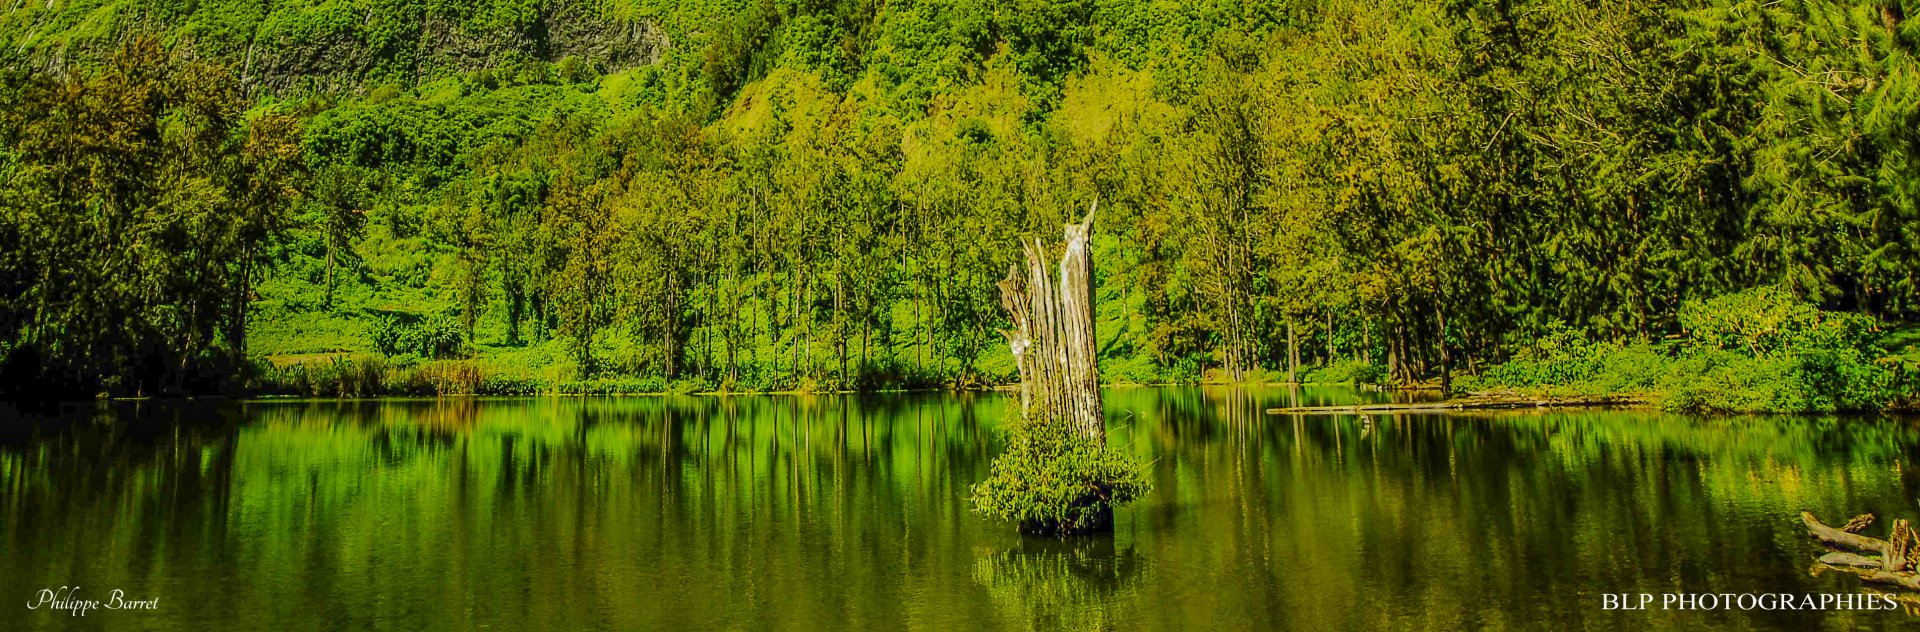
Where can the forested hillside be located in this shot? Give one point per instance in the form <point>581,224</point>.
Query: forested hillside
<point>515,195</point>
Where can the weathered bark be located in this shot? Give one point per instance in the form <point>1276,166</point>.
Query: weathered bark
<point>1872,559</point>
<point>1856,560</point>
<point>1053,338</point>
<point>1909,581</point>
<point>1836,538</point>
<point>1896,557</point>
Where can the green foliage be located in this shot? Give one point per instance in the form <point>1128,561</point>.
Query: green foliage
<point>435,336</point>
<point>1784,355</point>
<point>138,204</point>
<point>1755,351</point>
<point>1053,480</point>
<point>1347,371</point>
<point>1566,357</point>
<point>1767,321</point>
<point>359,375</point>
<point>821,195</point>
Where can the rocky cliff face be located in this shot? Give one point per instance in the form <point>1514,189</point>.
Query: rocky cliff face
<point>331,50</point>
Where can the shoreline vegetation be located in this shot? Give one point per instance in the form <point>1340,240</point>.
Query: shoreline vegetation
<point>1753,352</point>
<point>1476,401</point>
<point>373,375</point>
<point>1756,351</point>
<point>499,197</point>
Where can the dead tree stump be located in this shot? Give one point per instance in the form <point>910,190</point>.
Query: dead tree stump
<point>1053,337</point>
<point>1058,476</point>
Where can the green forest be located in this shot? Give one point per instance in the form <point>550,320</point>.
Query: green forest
<point>1715,201</point>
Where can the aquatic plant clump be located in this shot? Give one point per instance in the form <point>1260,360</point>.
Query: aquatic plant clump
<point>1055,481</point>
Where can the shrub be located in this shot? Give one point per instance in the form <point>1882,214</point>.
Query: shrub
<point>503,384</point>
<point>440,337</point>
<point>358,375</point>
<point>1754,351</point>
<point>1055,482</point>
<point>1765,321</point>
<point>1348,371</point>
<point>1806,379</point>
<point>615,386</point>
<point>390,332</point>
<point>1765,350</point>
<point>436,336</point>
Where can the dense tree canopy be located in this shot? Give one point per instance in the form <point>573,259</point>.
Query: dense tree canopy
<point>791,194</point>
<point>137,205</point>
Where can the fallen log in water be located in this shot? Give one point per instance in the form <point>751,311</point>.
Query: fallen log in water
<point>1465,403</point>
<point>1855,560</point>
<point>1842,539</point>
<point>1871,559</point>
<point>1909,580</point>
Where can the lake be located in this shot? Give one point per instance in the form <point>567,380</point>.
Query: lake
<point>836,512</point>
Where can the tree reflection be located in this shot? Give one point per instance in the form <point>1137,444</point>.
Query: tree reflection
<point>1075,584</point>
<point>825,512</point>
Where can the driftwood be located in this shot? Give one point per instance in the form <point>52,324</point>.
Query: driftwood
<point>1467,403</point>
<point>1841,539</point>
<point>1052,337</point>
<point>1852,560</point>
<point>1872,559</point>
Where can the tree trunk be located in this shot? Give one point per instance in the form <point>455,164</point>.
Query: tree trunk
<point>1053,338</point>
<point>1446,357</point>
<point>516,307</point>
<point>237,336</point>
<point>1293,354</point>
<point>1366,341</point>
<point>1404,350</point>
<point>1392,352</point>
<point>1330,353</point>
<point>732,330</point>
<point>806,347</point>
<point>328,302</point>
<point>840,324</point>
<point>705,366</point>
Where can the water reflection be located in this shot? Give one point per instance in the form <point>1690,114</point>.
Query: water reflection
<point>1081,584</point>
<point>830,512</point>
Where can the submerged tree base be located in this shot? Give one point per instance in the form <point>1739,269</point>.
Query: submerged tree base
<point>1092,514</point>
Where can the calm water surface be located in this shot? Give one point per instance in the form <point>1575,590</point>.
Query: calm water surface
<point>830,512</point>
